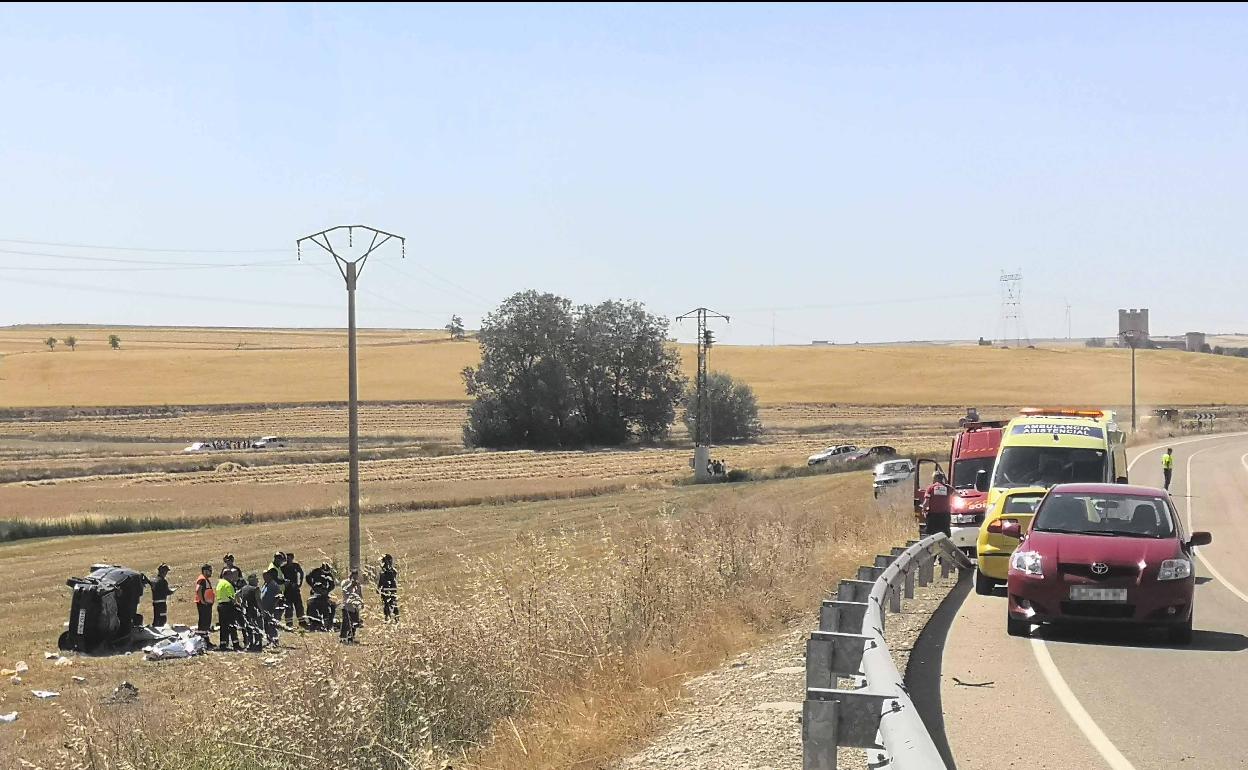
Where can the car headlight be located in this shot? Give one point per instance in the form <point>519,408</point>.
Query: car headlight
<point>1175,569</point>
<point>1027,562</point>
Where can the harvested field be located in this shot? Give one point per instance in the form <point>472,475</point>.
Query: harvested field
<point>311,487</point>
<point>438,553</point>
<point>214,366</point>
<point>413,421</point>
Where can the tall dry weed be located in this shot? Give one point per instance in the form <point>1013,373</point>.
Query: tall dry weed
<point>534,664</point>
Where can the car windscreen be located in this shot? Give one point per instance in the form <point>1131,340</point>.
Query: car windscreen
<point>898,467</point>
<point>1046,466</point>
<point>1022,503</point>
<point>1106,514</point>
<point>964,471</point>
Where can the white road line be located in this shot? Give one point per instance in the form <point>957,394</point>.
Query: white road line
<point>1057,683</point>
<point>1083,720</point>
<point>1131,463</point>
<point>1192,527</point>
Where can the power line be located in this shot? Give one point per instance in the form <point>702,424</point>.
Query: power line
<point>465,293</point>
<point>125,261</point>
<point>145,249</point>
<point>865,303</point>
<point>161,269</point>
<point>165,295</point>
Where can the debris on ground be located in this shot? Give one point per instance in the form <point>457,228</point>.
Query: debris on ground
<point>9,717</point>
<point>270,661</point>
<point>79,679</point>
<point>45,694</point>
<point>62,662</point>
<point>50,656</point>
<point>125,693</point>
<point>960,683</point>
<point>186,645</point>
<point>21,667</point>
<point>15,679</point>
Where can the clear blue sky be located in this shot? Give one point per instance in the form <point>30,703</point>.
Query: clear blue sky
<point>834,163</point>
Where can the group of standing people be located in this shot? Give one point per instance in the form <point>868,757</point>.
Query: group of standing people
<point>249,608</point>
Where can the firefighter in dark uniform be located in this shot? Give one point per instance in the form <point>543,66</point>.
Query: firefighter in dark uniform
<point>293,572</point>
<point>161,591</point>
<point>229,570</point>
<point>936,505</point>
<point>321,609</point>
<point>388,587</point>
<point>249,614</point>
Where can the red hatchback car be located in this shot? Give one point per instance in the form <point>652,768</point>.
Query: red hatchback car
<point>1104,553</point>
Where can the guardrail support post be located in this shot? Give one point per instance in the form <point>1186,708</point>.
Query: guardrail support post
<point>854,590</point>
<point>894,598</point>
<point>836,615</point>
<point>946,566</point>
<point>870,574</point>
<point>925,568</point>
<point>819,735</point>
<point>910,582</point>
<point>833,655</point>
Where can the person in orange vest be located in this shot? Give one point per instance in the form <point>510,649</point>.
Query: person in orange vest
<point>936,505</point>
<point>205,597</point>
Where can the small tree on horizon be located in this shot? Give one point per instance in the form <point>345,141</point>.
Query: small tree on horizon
<point>455,328</point>
<point>114,342</point>
<point>71,342</point>
<point>51,343</point>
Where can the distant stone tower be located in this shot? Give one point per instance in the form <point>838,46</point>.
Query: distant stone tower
<point>1134,322</point>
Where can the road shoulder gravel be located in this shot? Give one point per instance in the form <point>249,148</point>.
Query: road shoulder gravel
<point>746,715</point>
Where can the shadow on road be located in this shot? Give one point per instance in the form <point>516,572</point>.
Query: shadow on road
<point>1144,638</point>
<point>926,663</point>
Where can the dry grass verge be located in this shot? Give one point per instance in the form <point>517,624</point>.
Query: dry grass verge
<point>556,651</point>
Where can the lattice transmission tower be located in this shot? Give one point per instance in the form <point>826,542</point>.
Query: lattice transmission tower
<point>1012,327</point>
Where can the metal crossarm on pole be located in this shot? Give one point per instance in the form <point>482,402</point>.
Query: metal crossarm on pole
<point>350,270</point>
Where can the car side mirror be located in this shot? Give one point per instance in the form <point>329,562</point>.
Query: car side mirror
<point>981,481</point>
<point>1200,538</point>
<point>1011,528</point>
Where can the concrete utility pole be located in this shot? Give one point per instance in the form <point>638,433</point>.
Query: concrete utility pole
<point>1133,341</point>
<point>702,420</point>
<point>350,270</point>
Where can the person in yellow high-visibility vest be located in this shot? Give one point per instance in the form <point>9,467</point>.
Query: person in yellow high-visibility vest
<point>1167,465</point>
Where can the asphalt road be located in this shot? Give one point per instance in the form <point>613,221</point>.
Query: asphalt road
<point>1119,699</point>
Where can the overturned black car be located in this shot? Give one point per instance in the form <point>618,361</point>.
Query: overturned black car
<point>104,609</point>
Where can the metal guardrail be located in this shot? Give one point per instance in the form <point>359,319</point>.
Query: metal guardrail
<point>878,714</point>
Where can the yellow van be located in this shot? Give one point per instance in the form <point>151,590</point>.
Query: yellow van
<point>1041,448</point>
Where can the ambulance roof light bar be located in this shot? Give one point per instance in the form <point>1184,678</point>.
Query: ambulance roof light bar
<point>1061,412</point>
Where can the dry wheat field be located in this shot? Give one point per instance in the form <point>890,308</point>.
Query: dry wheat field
<point>97,434</point>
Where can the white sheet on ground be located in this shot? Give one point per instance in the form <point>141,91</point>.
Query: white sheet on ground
<point>185,646</point>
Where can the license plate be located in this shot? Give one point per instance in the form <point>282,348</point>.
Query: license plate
<point>1089,594</point>
<point>958,518</point>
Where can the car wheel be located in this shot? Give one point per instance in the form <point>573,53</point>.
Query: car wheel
<point>1017,627</point>
<point>984,585</point>
<point>1180,634</point>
